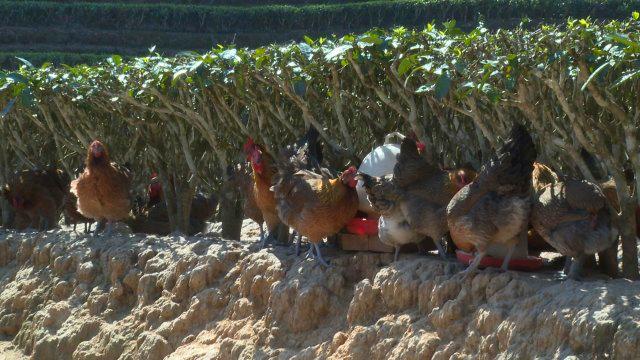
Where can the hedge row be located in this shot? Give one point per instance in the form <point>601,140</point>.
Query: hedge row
<point>575,88</point>
<point>275,18</point>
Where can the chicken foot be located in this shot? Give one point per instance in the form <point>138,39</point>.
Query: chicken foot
<point>109,228</point>
<point>576,267</point>
<point>473,267</point>
<point>261,235</point>
<point>298,242</point>
<point>318,257</point>
<point>310,253</point>
<point>507,258</point>
<point>100,225</point>
<point>272,237</point>
<point>522,236</point>
<point>441,251</point>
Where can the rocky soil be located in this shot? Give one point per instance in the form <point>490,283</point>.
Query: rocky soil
<point>70,296</point>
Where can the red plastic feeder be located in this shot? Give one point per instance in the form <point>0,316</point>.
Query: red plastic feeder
<point>363,226</point>
<point>531,263</point>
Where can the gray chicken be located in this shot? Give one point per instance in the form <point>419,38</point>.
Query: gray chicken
<point>572,217</point>
<point>393,228</point>
<point>495,208</point>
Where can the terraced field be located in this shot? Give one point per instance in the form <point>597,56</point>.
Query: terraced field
<point>74,31</point>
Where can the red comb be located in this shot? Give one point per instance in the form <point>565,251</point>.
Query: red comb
<point>248,145</point>
<point>421,146</point>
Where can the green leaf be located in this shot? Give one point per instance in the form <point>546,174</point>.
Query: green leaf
<point>594,74</point>
<point>442,85</point>
<point>626,77</point>
<point>406,64</point>
<point>26,62</point>
<point>178,74</point>
<point>635,15</point>
<point>115,60</point>
<point>338,52</point>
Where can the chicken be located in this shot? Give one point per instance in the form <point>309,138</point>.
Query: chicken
<point>103,188</point>
<point>393,228</point>
<point>541,176</point>
<point>495,207</point>
<point>37,196</point>
<point>263,170</point>
<point>202,209</point>
<point>305,154</point>
<point>154,191</point>
<point>244,181</point>
<point>71,214</point>
<point>315,205</point>
<point>424,191</point>
<point>572,216</point>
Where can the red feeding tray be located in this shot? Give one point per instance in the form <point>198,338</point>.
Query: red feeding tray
<point>531,263</point>
<point>363,226</point>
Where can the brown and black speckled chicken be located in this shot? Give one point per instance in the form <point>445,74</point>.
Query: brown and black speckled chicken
<point>572,216</point>
<point>425,191</point>
<point>384,196</point>
<point>495,207</point>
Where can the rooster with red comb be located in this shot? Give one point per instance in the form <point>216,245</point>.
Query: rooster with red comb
<point>259,195</point>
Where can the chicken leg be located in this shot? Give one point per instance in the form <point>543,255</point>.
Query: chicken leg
<point>310,253</point>
<point>261,235</point>
<point>576,267</point>
<point>567,265</point>
<point>319,256</point>
<point>522,238</point>
<point>109,228</point>
<point>298,243</point>
<point>473,267</point>
<point>264,239</point>
<point>507,258</point>
<point>441,252</point>
<point>395,256</point>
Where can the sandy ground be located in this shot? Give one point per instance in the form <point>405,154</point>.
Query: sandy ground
<point>9,352</point>
<point>70,296</point>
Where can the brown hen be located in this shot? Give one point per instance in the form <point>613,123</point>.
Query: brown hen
<point>495,207</point>
<point>315,205</point>
<point>103,188</point>
<point>426,191</point>
<point>37,196</point>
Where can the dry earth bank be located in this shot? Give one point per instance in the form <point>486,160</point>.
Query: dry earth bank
<point>68,296</point>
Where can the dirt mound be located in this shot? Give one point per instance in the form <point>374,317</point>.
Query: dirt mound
<point>69,296</point>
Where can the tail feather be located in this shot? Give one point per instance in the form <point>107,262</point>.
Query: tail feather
<point>515,159</point>
<point>411,166</point>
